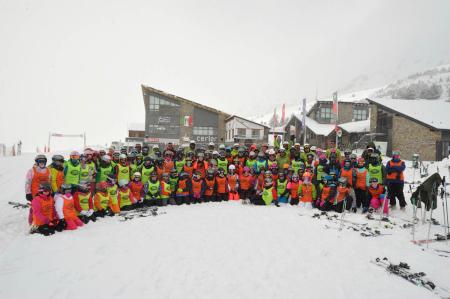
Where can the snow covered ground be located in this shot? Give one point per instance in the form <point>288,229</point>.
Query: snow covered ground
<point>215,250</point>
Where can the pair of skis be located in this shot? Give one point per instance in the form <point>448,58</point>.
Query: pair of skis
<point>139,213</point>
<point>403,270</point>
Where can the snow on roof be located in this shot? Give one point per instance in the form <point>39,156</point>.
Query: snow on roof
<point>136,127</point>
<point>361,126</point>
<point>434,113</point>
<point>317,128</point>
<point>289,110</point>
<point>353,97</point>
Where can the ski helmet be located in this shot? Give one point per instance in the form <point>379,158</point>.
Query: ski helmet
<point>123,183</point>
<point>83,186</point>
<point>40,159</point>
<point>45,186</point>
<point>58,158</point>
<point>66,187</point>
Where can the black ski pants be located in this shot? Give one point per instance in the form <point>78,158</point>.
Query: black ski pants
<point>395,190</point>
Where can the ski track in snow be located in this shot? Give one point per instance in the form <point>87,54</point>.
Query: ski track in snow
<point>214,250</point>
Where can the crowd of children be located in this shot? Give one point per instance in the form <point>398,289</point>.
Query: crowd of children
<point>69,193</point>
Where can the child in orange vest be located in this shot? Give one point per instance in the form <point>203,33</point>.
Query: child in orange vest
<point>165,190</point>
<point>82,200</point>
<point>343,196</point>
<point>307,191</point>
<point>137,188</point>
<point>125,197</point>
<point>182,189</point>
<point>233,183</point>
<point>197,188</point>
<point>246,185</point>
<point>376,195</point>
<point>210,186</point>
<point>44,214</point>
<point>293,187</point>
<point>65,209</point>
<point>103,204</point>
<point>188,167</point>
<point>328,194</point>
<point>361,185</point>
<point>222,185</point>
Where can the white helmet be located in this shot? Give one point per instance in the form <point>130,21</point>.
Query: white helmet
<point>271,151</point>
<point>123,182</point>
<point>232,167</point>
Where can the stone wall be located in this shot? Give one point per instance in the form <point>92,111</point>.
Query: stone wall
<point>411,137</point>
<point>345,112</point>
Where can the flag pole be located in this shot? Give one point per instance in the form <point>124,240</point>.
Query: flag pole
<point>304,121</point>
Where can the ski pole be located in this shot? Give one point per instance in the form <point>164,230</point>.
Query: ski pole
<point>383,205</point>
<point>443,213</point>
<point>429,224</point>
<point>344,205</point>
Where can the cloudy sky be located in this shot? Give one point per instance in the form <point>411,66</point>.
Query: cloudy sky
<point>77,66</point>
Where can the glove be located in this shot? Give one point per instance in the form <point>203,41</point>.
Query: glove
<point>84,213</point>
<point>90,212</point>
<point>61,225</point>
<point>29,197</point>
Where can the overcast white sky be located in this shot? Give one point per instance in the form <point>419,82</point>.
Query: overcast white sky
<point>75,66</point>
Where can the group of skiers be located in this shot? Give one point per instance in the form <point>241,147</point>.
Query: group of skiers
<point>69,193</point>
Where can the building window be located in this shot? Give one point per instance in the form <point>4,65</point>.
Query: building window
<point>156,101</point>
<point>205,131</point>
<point>325,113</point>
<point>255,133</point>
<point>359,113</point>
<point>241,132</point>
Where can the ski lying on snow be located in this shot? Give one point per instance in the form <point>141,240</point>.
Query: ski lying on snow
<point>418,278</point>
<point>18,205</point>
<point>139,213</point>
<point>438,238</point>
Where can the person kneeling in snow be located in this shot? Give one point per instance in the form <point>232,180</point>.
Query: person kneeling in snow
<point>343,198</point>
<point>376,195</point>
<point>44,215</point>
<point>268,195</point>
<point>65,209</point>
<point>102,201</point>
<point>282,190</point>
<point>125,196</point>
<point>82,200</point>
<point>328,194</point>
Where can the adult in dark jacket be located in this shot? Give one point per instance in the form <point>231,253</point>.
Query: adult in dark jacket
<point>395,180</point>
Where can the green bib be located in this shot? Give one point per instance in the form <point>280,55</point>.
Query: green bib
<point>376,172</point>
<point>103,173</point>
<point>223,164</point>
<point>145,173</point>
<point>113,194</point>
<point>84,200</point>
<point>281,187</point>
<point>73,174</point>
<point>104,200</point>
<point>123,173</point>
<point>153,188</point>
<point>125,199</point>
<point>320,172</point>
<point>267,195</point>
<point>179,165</point>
